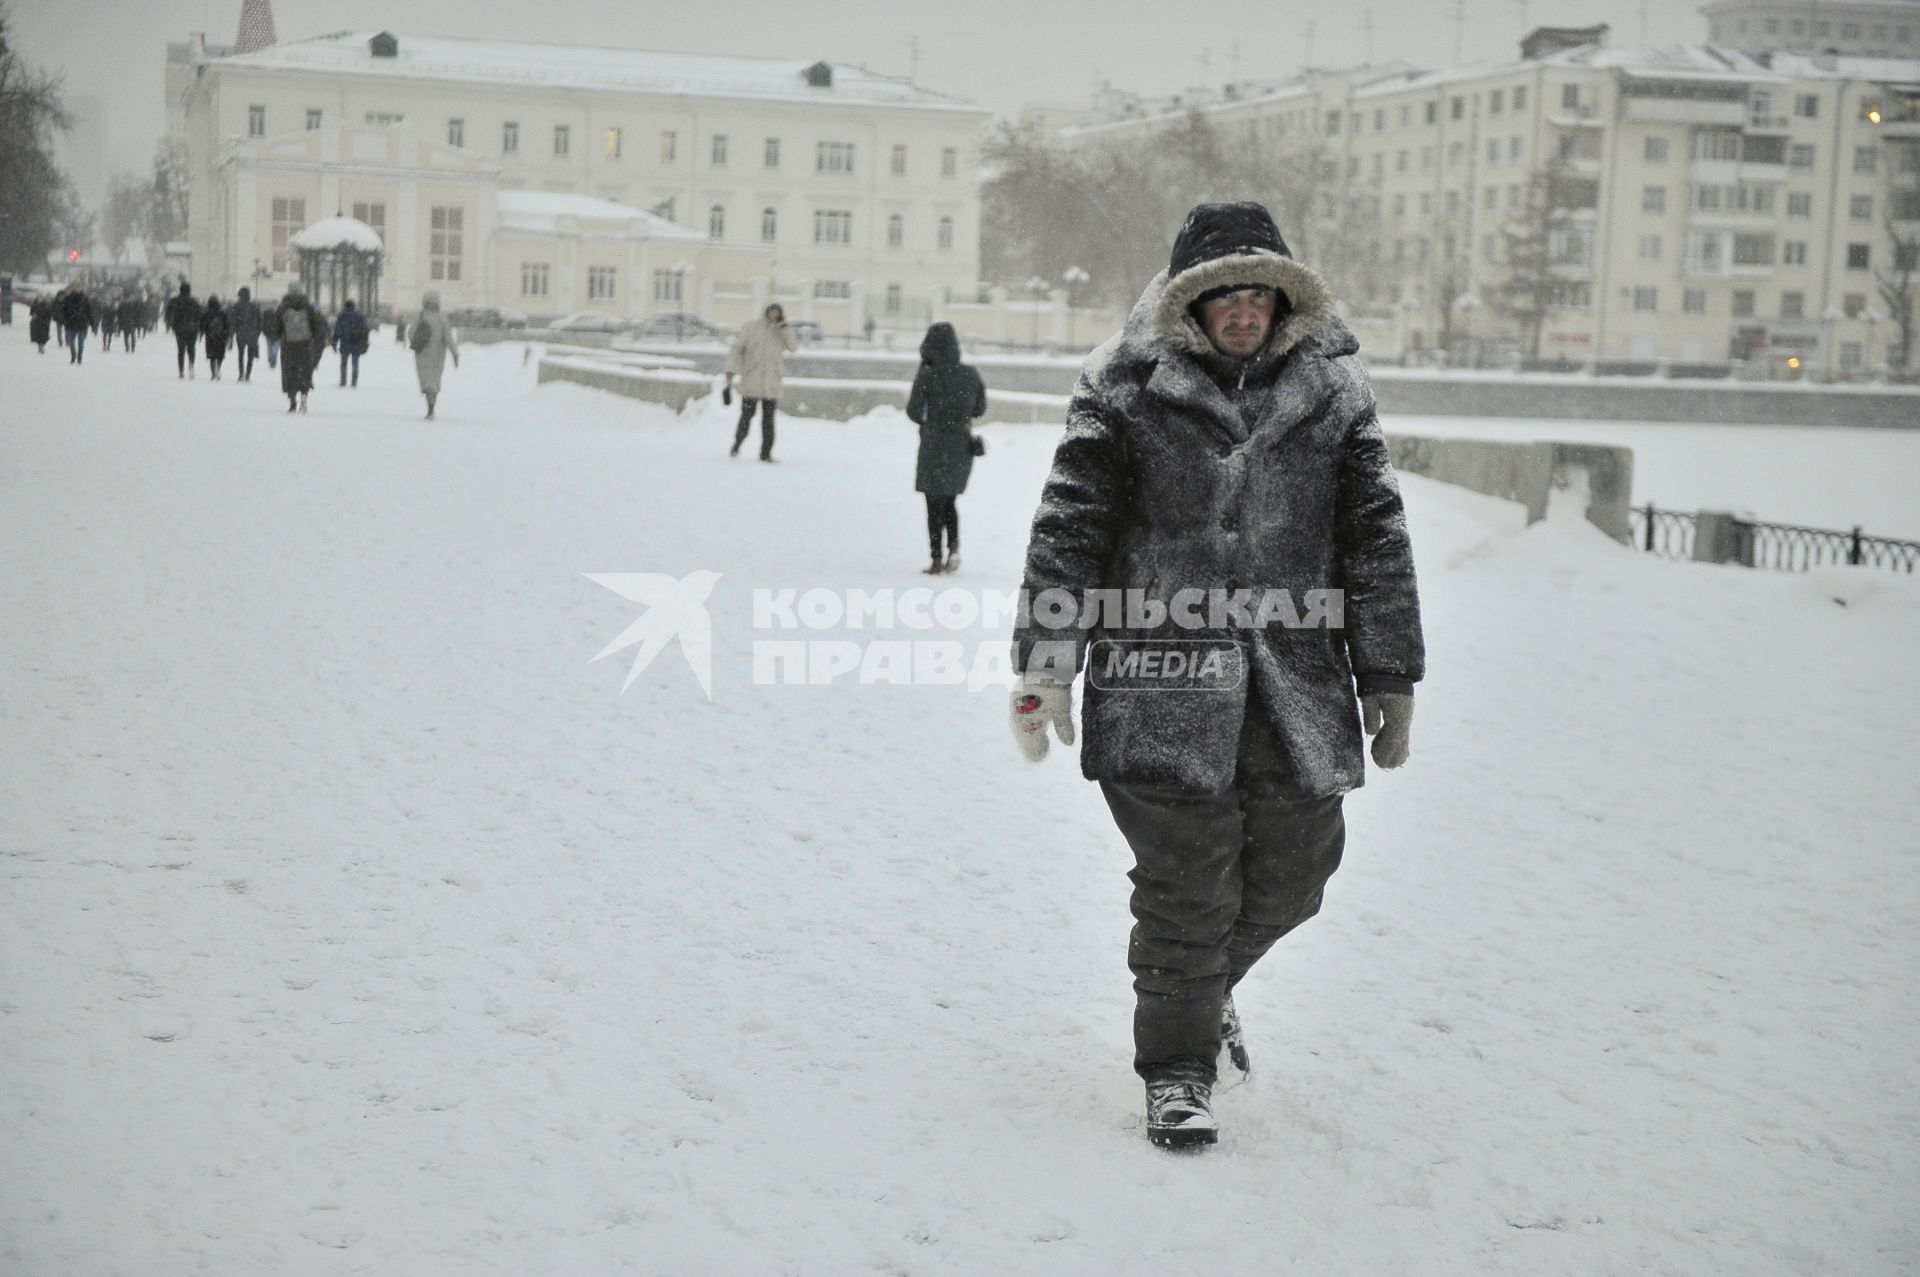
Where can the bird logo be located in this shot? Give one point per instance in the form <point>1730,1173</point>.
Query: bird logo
<point>676,609</point>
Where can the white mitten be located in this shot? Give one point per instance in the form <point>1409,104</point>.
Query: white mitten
<point>1035,705</point>
<point>1388,718</point>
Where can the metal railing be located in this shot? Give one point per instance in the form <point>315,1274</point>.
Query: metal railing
<point>1667,533</point>
<point>1783,547</point>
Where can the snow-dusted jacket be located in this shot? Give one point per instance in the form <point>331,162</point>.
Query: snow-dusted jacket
<point>430,353</point>
<point>1183,469</point>
<point>756,357</point>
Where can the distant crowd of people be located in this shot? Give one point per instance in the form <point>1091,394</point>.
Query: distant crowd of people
<point>295,332</point>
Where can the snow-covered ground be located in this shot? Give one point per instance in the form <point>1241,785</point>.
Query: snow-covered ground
<point>352,922</point>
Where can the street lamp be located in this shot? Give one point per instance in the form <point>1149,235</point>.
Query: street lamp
<point>1038,287</point>
<point>1072,277</point>
<point>1466,303</point>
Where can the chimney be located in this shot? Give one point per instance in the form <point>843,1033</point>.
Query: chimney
<point>385,45</point>
<point>256,26</point>
<point>820,75</point>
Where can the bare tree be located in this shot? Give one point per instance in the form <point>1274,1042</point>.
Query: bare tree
<point>1898,282</point>
<point>35,196</point>
<point>1535,240</point>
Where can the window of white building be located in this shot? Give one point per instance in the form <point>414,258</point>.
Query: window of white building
<point>456,132</point>
<point>666,286</point>
<point>534,278</point>
<point>256,121</point>
<point>510,138</point>
<point>833,157</point>
<point>289,218</point>
<point>717,222</point>
<point>769,225</point>
<point>832,226</point>
<point>562,141</point>
<point>602,283</point>
<point>446,241</point>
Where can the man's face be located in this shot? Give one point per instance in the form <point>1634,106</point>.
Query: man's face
<point>1238,323</point>
<point>775,314</point>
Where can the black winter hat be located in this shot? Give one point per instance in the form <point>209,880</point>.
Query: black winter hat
<point>1222,230</point>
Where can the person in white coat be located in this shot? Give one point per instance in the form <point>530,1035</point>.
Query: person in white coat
<point>432,341</point>
<point>756,359</point>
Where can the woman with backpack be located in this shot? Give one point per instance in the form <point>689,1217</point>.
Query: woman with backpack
<point>303,334</point>
<point>947,395</point>
<point>432,341</point>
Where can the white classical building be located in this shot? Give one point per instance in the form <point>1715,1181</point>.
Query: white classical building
<point>548,178</point>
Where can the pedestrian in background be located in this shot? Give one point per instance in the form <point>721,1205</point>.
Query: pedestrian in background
<point>351,338</point>
<point>947,395</point>
<point>433,343</point>
<point>756,358</point>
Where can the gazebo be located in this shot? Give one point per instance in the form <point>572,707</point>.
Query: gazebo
<point>340,258</point>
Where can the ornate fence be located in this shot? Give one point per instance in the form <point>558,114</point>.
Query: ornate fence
<point>1721,538</point>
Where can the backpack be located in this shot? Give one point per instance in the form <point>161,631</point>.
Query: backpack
<point>294,326</point>
<point>421,336</point>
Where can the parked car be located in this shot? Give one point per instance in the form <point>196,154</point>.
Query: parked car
<point>591,321</point>
<point>487,317</point>
<point>807,330</point>
<point>679,326</point>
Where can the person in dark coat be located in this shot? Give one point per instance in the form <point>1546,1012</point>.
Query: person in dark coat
<point>351,337</point>
<point>40,322</point>
<point>182,317</point>
<point>133,318</point>
<point>947,395</point>
<point>218,331</point>
<point>75,313</point>
<point>244,315</point>
<point>303,335</point>
<point>1222,454</point>
<point>108,309</point>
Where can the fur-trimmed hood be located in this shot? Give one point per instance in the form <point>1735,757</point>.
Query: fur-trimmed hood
<point>1163,317</point>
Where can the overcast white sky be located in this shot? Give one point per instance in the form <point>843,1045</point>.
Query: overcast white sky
<point>1000,53</point>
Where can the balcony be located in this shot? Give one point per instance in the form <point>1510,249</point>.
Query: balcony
<point>1734,172</point>
<point>1666,110</point>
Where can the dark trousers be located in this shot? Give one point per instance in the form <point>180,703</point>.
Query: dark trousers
<point>183,351</point>
<point>346,358</point>
<point>746,423</point>
<point>1217,879</point>
<point>76,340</point>
<point>245,355</point>
<point>943,516</point>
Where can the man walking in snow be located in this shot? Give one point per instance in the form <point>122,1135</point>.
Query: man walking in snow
<point>183,321</point>
<point>757,358</point>
<point>1222,450</point>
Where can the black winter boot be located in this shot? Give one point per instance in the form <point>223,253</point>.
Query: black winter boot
<point>1180,1113</point>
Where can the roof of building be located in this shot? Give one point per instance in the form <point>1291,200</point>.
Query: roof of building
<point>543,210</point>
<point>571,66</point>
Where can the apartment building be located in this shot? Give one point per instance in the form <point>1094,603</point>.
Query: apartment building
<point>1713,203</point>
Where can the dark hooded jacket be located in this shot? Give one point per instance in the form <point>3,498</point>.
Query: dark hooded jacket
<point>947,395</point>
<point>40,320</point>
<point>216,327</point>
<point>1183,469</point>
<point>244,314</point>
<point>182,313</point>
